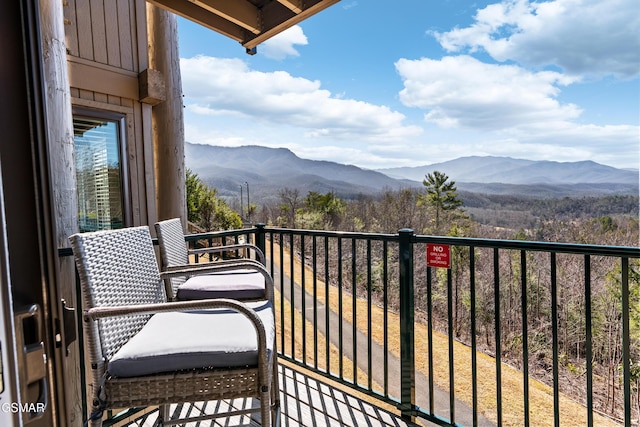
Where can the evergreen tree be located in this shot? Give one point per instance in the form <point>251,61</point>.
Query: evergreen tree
<point>195,192</point>
<point>206,209</point>
<point>328,207</point>
<point>441,195</point>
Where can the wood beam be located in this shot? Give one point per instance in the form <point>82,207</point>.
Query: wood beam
<point>278,18</point>
<point>294,5</point>
<point>240,12</point>
<point>88,76</point>
<point>241,20</point>
<point>201,16</point>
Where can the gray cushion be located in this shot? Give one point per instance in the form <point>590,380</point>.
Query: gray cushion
<point>173,341</point>
<point>237,284</point>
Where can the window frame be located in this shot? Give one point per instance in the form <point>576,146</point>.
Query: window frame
<point>121,121</point>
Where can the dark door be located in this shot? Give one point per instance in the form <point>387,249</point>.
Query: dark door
<point>29,247</point>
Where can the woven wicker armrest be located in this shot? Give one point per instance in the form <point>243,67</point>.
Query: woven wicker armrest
<point>227,248</point>
<point>203,267</point>
<point>221,266</point>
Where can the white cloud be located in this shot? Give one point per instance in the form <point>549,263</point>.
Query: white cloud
<point>510,103</point>
<point>590,38</point>
<point>282,45</point>
<point>605,143</point>
<point>462,92</point>
<point>227,87</point>
<point>350,5</point>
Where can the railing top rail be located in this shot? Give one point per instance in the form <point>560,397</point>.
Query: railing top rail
<point>572,248</point>
<point>324,233</point>
<point>568,248</point>
<point>216,234</point>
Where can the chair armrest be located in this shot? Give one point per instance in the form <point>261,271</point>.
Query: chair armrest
<point>199,268</point>
<point>221,266</point>
<point>211,267</point>
<point>125,310</point>
<point>259,254</point>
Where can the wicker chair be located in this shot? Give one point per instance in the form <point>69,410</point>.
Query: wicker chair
<point>145,351</point>
<point>243,279</point>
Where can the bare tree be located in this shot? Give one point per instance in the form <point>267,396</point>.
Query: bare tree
<point>290,202</point>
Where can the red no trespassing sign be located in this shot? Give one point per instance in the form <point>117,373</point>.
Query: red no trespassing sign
<point>438,255</point>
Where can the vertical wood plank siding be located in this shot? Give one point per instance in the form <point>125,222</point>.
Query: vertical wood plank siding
<point>124,12</point>
<point>110,36</point>
<point>106,32</point>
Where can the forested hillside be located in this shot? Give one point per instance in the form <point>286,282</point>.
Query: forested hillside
<point>480,215</point>
<point>434,210</point>
<point>525,212</point>
<point>438,209</point>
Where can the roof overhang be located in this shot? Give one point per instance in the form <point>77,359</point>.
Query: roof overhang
<point>250,22</point>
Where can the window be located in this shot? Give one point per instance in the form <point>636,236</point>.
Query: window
<point>99,170</point>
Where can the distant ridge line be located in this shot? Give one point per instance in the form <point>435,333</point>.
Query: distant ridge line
<point>269,170</point>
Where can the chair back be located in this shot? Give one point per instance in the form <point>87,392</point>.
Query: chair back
<point>173,249</point>
<point>117,268</point>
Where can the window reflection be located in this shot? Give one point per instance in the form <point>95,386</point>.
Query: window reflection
<point>99,176</point>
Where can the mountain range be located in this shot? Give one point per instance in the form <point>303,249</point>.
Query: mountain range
<point>268,170</point>
<point>506,170</point>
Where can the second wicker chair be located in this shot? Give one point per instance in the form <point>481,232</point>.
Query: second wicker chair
<point>242,279</point>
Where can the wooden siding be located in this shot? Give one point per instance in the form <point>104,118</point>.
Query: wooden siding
<point>107,32</point>
<point>106,51</point>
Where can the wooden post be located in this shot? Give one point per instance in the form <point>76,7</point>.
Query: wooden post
<point>167,116</point>
<point>64,209</point>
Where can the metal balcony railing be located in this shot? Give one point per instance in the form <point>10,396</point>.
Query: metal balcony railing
<point>513,333</point>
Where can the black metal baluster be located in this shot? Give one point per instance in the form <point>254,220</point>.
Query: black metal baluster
<point>452,387</point>
<point>369,321</point>
<point>340,350</point>
<point>315,300</point>
<point>525,334</point>
<point>385,318</point>
<point>554,329</point>
<point>303,299</point>
<point>588,338</point>
<point>354,311</point>
<point>474,348</point>
<point>497,326</point>
<point>626,342</point>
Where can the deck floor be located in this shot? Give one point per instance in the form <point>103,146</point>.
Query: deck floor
<point>305,401</point>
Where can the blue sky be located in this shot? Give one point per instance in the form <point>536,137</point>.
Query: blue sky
<point>388,83</point>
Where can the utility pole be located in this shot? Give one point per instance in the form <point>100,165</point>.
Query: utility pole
<point>248,204</point>
<point>241,203</point>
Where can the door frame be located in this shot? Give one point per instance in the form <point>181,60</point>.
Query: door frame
<point>30,247</point>
<point>8,362</point>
